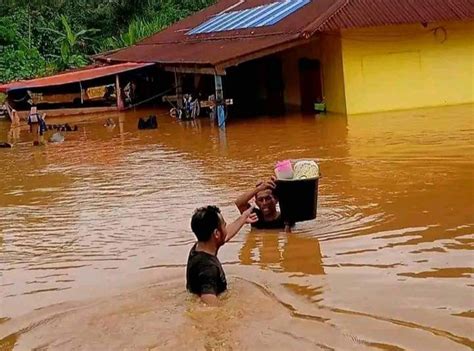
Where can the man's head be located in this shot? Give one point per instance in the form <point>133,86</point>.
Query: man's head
<point>266,202</point>
<point>209,225</point>
<point>33,109</point>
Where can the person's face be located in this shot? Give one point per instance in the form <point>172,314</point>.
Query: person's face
<point>33,110</point>
<point>266,202</point>
<point>221,233</point>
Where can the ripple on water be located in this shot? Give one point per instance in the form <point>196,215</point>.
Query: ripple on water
<point>392,241</point>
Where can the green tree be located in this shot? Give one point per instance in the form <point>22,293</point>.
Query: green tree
<point>137,30</point>
<point>39,37</point>
<point>22,63</point>
<point>17,59</point>
<point>71,44</point>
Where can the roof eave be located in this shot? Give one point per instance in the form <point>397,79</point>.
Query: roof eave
<point>219,67</point>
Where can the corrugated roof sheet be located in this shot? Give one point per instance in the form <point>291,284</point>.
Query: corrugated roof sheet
<point>370,13</point>
<point>207,53</point>
<point>74,76</point>
<point>173,46</point>
<point>260,16</point>
<point>294,24</point>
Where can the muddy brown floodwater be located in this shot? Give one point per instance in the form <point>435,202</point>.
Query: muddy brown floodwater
<point>94,236</point>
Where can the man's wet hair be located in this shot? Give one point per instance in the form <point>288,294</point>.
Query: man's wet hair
<point>204,221</point>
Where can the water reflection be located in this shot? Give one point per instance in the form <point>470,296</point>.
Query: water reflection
<point>282,252</point>
<point>222,139</point>
<point>8,343</point>
<point>14,134</point>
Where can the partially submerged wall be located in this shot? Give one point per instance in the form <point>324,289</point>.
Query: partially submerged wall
<point>409,66</point>
<point>326,49</point>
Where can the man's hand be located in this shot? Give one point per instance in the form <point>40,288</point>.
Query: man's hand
<point>242,202</point>
<point>268,184</point>
<point>247,217</point>
<point>250,216</point>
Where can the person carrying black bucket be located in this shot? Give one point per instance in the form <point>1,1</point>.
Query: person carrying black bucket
<point>266,200</point>
<point>295,188</point>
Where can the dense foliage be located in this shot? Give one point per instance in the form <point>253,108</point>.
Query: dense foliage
<point>40,37</point>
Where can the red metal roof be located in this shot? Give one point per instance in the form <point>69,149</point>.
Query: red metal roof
<point>370,13</point>
<point>173,46</point>
<point>73,77</point>
<point>292,24</point>
<point>208,53</point>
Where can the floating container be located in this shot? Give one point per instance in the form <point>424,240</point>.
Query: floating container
<point>298,199</point>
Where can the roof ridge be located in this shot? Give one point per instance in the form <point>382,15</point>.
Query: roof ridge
<point>313,27</point>
<point>459,10</point>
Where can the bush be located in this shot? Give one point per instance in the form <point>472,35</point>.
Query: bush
<point>24,63</point>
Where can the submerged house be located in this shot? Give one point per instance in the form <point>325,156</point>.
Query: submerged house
<point>355,56</point>
<point>90,89</point>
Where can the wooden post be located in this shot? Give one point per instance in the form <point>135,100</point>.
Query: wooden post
<point>82,93</point>
<point>118,93</point>
<point>9,109</point>
<point>220,103</point>
<point>178,81</point>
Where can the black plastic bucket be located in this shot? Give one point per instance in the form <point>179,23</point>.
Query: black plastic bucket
<point>298,199</point>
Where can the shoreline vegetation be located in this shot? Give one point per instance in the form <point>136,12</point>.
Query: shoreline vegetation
<point>43,37</point>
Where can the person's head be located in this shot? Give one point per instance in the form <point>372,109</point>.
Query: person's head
<point>33,110</point>
<point>208,224</point>
<point>266,201</point>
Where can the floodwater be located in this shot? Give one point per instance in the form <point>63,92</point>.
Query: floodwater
<point>94,236</point>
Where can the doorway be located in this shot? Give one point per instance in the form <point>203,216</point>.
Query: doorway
<point>257,87</point>
<point>311,86</point>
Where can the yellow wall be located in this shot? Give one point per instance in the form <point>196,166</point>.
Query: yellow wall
<point>403,67</point>
<point>328,51</point>
<point>333,76</point>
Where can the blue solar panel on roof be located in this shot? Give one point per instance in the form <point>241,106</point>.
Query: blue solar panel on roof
<point>260,16</point>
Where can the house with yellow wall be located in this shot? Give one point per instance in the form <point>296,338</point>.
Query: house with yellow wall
<point>408,66</point>
<point>390,67</point>
<point>351,56</point>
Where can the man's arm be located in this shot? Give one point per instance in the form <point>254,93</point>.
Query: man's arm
<point>242,201</point>
<point>208,281</point>
<point>247,217</point>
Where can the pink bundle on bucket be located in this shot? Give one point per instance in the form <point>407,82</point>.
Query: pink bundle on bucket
<point>284,170</point>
